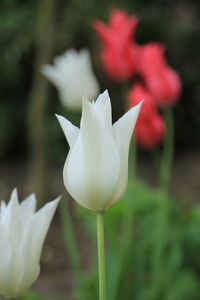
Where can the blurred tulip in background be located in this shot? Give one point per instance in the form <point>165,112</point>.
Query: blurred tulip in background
<point>73,76</point>
<point>150,127</point>
<point>118,49</point>
<point>162,81</point>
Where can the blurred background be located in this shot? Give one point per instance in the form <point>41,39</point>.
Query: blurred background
<point>31,34</point>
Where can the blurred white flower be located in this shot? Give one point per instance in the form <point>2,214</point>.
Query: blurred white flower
<point>96,169</point>
<point>22,232</point>
<point>73,76</point>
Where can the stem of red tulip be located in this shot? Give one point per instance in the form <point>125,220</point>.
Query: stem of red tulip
<point>133,158</point>
<point>167,156</point>
<point>163,211</point>
<point>101,256</point>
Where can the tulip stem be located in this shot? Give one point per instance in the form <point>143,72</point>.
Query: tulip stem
<point>101,256</point>
<point>133,158</point>
<point>167,156</point>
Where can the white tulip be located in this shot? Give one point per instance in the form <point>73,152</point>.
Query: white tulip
<point>73,76</point>
<point>96,169</point>
<point>22,232</point>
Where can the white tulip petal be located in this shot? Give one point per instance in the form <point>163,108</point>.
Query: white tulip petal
<point>92,167</point>
<point>73,76</point>
<point>2,207</point>
<point>5,254</point>
<point>11,220</point>
<point>50,73</point>
<point>103,108</point>
<point>21,244</point>
<point>12,224</point>
<point>27,208</point>
<point>14,196</point>
<point>123,130</point>
<point>70,131</point>
<point>33,241</point>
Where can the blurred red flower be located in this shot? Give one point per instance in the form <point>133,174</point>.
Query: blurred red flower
<point>161,80</point>
<point>150,127</point>
<point>122,57</point>
<point>118,49</point>
<point>151,59</point>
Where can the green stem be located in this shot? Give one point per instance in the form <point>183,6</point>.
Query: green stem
<point>133,158</point>
<point>161,216</point>
<point>167,156</point>
<point>101,256</point>
<point>163,213</point>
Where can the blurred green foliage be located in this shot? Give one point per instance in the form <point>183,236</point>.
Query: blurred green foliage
<point>176,23</point>
<point>152,248</point>
<point>31,295</point>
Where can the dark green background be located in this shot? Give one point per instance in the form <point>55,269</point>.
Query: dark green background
<point>175,23</point>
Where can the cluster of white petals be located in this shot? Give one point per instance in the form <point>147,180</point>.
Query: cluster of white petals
<point>22,234</point>
<point>96,169</point>
<point>73,76</point>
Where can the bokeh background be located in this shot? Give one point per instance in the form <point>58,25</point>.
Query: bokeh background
<point>31,34</point>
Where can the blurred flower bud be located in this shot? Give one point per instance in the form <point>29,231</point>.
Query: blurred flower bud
<point>150,127</point>
<point>164,86</point>
<point>161,80</point>
<point>151,59</point>
<point>96,169</point>
<point>118,48</point>
<point>22,236</point>
<point>73,76</point>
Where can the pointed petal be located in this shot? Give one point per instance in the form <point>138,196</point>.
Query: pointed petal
<point>27,208</point>
<point>123,130</point>
<point>14,196</point>
<point>2,207</point>
<point>5,254</point>
<point>11,220</point>
<point>11,217</point>
<point>103,31</point>
<point>70,131</point>
<point>103,108</point>
<point>92,168</point>
<point>51,73</point>
<point>33,241</point>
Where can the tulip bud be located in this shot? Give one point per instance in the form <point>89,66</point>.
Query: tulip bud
<point>151,59</point>
<point>162,81</point>
<point>96,169</point>
<point>119,50</point>
<point>22,233</point>
<point>73,76</point>
<point>150,127</point>
<point>164,86</point>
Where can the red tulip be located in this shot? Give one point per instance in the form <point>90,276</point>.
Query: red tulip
<point>164,86</point>
<point>118,49</point>
<point>162,81</point>
<point>150,127</point>
<point>151,59</point>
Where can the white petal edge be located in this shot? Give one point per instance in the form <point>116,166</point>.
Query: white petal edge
<point>50,73</point>
<point>5,254</point>
<point>123,130</point>
<point>103,108</point>
<point>27,208</point>
<point>70,131</point>
<point>33,242</point>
